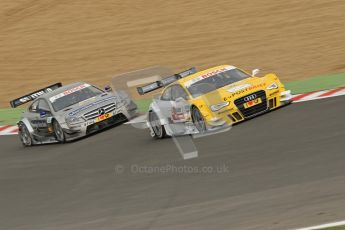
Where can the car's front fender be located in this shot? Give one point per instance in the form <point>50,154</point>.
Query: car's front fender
<point>154,107</point>
<point>26,122</point>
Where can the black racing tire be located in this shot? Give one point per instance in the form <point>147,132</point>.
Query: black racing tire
<point>58,132</point>
<point>25,136</point>
<point>158,129</point>
<point>198,120</point>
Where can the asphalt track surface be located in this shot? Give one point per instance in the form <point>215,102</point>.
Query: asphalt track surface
<point>286,169</point>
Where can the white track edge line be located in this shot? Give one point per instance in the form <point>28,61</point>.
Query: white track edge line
<point>328,225</point>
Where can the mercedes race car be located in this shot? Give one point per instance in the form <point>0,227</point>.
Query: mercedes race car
<point>63,113</point>
<point>197,102</point>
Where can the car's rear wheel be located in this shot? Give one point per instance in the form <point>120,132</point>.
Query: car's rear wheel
<point>58,131</point>
<point>25,136</point>
<point>158,129</point>
<point>198,120</point>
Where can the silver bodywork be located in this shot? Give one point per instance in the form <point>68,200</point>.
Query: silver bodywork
<point>79,119</point>
<point>175,116</point>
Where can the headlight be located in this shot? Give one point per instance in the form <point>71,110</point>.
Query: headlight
<point>219,106</point>
<point>273,86</point>
<point>74,120</point>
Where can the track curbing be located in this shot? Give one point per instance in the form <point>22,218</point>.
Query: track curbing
<point>8,130</point>
<point>319,94</point>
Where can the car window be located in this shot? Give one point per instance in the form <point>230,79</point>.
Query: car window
<point>178,91</point>
<point>33,107</point>
<point>211,82</point>
<point>166,96</point>
<point>43,105</point>
<point>73,96</point>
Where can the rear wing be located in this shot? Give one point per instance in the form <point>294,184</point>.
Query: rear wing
<point>32,96</point>
<point>165,81</point>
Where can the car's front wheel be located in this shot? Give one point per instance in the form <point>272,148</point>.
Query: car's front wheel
<point>25,136</point>
<point>198,120</point>
<point>158,129</point>
<point>58,131</point>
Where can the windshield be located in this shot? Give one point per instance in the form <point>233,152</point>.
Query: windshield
<point>74,96</point>
<point>216,81</point>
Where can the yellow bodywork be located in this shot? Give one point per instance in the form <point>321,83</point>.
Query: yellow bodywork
<point>232,113</point>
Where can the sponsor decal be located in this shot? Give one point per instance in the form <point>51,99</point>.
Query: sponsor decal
<point>37,122</point>
<point>49,120</point>
<point>206,75</point>
<point>90,123</point>
<point>103,117</point>
<point>67,92</point>
<point>252,103</point>
<point>34,95</point>
<point>249,88</point>
<point>238,88</point>
<point>31,97</point>
<point>177,114</point>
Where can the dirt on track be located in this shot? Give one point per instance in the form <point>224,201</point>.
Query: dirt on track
<point>45,41</point>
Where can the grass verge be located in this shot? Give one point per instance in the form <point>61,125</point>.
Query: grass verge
<point>316,83</point>
<point>10,116</point>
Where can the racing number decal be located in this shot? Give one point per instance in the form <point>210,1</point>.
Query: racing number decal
<point>177,114</point>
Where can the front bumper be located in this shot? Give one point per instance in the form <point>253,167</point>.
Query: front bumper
<point>235,112</point>
<point>74,131</point>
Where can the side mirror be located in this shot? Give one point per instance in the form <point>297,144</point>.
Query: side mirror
<point>108,89</point>
<point>255,72</point>
<point>44,113</point>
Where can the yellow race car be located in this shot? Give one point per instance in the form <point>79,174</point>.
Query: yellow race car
<point>196,102</point>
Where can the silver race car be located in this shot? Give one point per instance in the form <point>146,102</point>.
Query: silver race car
<point>63,113</point>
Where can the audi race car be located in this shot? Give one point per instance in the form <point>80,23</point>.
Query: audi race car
<point>63,113</point>
<point>197,102</point>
